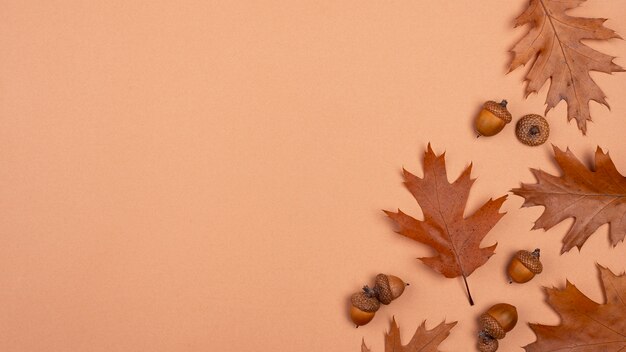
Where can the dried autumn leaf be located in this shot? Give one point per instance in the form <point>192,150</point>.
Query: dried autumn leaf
<point>423,340</point>
<point>592,198</point>
<point>456,239</point>
<point>586,326</point>
<point>554,39</point>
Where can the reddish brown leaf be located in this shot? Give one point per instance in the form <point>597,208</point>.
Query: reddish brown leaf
<point>554,41</point>
<point>586,326</point>
<point>423,340</point>
<point>592,198</point>
<point>456,239</point>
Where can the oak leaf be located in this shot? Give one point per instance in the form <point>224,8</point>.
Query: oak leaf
<point>591,197</point>
<point>423,340</point>
<point>586,326</point>
<point>554,41</point>
<point>456,239</point>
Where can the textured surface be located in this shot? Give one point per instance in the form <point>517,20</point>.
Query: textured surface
<point>531,262</point>
<point>487,345</point>
<point>532,130</point>
<point>383,290</point>
<point>364,302</point>
<point>491,326</point>
<point>197,175</point>
<point>499,110</point>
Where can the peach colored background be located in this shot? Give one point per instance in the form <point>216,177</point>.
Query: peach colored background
<point>209,175</point>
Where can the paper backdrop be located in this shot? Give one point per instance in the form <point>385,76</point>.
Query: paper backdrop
<point>209,175</point>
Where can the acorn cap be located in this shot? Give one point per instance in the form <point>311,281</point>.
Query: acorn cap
<point>491,326</point>
<point>365,302</point>
<point>385,296</point>
<point>530,260</point>
<point>487,344</point>
<point>532,130</point>
<point>498,109</point>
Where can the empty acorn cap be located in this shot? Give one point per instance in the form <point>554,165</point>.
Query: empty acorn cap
<point>532,130</point>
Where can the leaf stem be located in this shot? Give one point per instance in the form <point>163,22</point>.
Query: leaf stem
<point>469,295</point>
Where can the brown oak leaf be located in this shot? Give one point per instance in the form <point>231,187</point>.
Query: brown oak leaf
<point>586,326</point>
<point>554,41</point>
<point>592,198</point>
<point>456,239</point>
<point>423,340</point>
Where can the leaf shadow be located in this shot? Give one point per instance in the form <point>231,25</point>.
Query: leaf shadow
<point>472,118</point>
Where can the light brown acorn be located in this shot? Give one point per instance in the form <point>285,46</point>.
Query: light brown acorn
<point>532,130</point>
<point>492,118</point>
<point>495,323</point>
<point>365,304</point>
<point>524,266</point>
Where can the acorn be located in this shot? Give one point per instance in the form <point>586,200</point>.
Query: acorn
<point>492,118</point>
<point>524,266</point>
<point>388,288</point>
<point>363,306</point>
<point>498,320</point>
<point>532,130</point>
